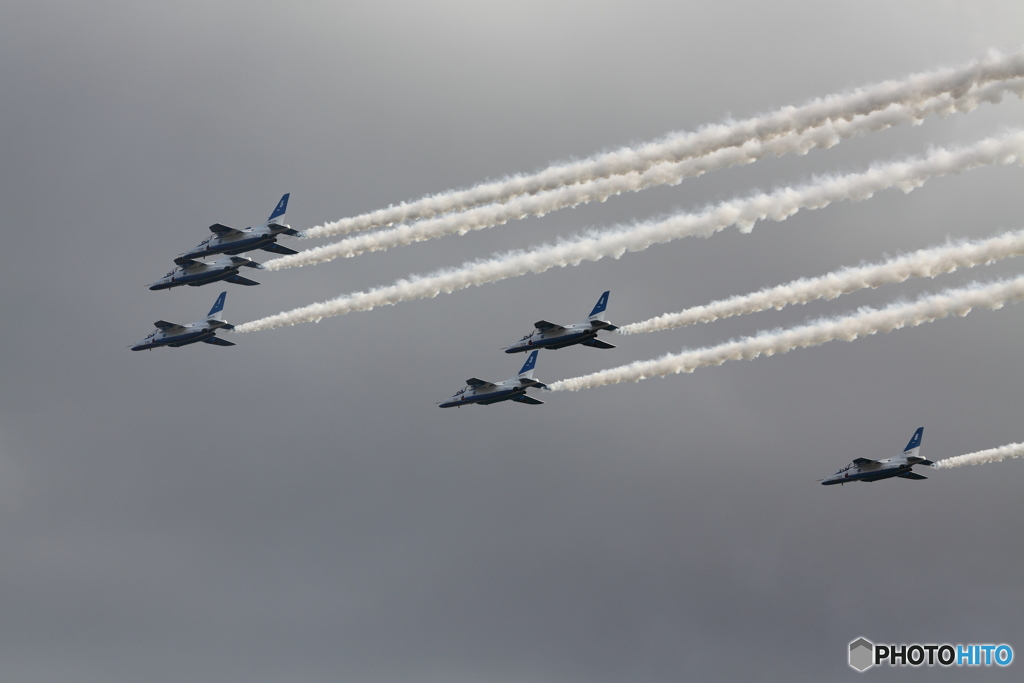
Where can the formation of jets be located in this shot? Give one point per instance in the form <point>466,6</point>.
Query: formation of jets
<point>544,336</point>
<point>226,243</point>
<point>547,335</point>
<point>865,469</point>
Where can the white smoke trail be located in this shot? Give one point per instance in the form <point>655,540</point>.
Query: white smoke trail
<point>913,89</point>
<point>777,206</point>
<point>1013,450</point>
<point>865,322</point>
<point>922,263</point>
<point>490,215</point>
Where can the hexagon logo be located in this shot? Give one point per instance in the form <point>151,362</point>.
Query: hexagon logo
<point>862,653</point>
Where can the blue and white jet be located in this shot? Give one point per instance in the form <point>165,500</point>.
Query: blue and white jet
<point>551,336</point>
<point>198,273</point>
<point>486,393</point>
<point>865,469</point>
<point>227,240</point>
<point>172,334</point>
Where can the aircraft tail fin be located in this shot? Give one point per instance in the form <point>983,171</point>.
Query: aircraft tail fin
<point>600,306</point>
<point>528,366</point>
<point>914,446</point>
<point>280,209</point>
<point>217,312</point>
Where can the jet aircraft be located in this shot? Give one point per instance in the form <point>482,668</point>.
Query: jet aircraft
<point>486,393</point>
<point>227,240</point>
<point>550,336</point>
<point>197,273</point>
<point>865,469</point>
<point>172,334</point>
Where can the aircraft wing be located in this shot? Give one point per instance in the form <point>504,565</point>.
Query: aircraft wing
<point>223,230</point>
<point>239,280</point>
<point>185,261</point>
<point>911,475</point>
<point>278,249</point>
<point>545,326</point>
<point>860,462</point>
<point>529,400</point>
<point>598,344</point>
<point>217,341</point>
<point>478,383</point>
<point>165,326</point>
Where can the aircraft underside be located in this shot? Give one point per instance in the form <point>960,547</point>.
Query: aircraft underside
<point>246,245</point>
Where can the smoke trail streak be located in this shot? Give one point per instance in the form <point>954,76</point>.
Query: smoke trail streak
<point>676,147</point>
<point>777,206</point>
<point>1013,450</point>
<point>865,322</point>
<point>922,263</point>
<point>481,217</point>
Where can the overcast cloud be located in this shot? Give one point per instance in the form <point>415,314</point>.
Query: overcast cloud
<point>296,508</point>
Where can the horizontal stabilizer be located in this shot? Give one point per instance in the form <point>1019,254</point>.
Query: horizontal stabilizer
<point>217,341</point>
<point>860,462</point>
<point>911,475</point>
<point>239,280</point>
<point>529,400</point>
<point>477,383</point>
<point>278,249</point>
<point>185,261</point>
<point>223,230</point>
<point>293,232</point>
<point>927,462</point>
<point>598,344</point>
<point>164,325</point>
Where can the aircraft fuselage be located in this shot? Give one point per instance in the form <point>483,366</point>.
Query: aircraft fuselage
<point>868,473</point>
<point>194,277</point>
<point>198,273</point>
<point>553,340</point>
<point>483,397</point>
<point>190,337</point>
<point>235,244</point>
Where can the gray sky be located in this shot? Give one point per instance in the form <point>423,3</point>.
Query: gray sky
<point>297,509</point>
